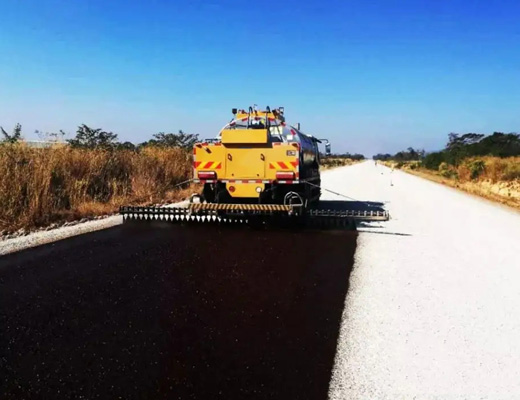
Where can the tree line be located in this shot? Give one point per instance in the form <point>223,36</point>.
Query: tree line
<point>460,147</point>
<point>355,156</point>
<point>97,138</point>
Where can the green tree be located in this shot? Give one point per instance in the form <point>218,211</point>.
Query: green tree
<point>13,137</point>
<point>89,138</point>
<point>125,146</point>
<point>433,160</point>
<point>181,139</point>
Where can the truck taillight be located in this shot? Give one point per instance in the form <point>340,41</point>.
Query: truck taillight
<point>207,175</point>
<point>284,175</point>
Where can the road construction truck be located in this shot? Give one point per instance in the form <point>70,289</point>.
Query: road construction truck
<point>257,158</point>
<point>260,170</point>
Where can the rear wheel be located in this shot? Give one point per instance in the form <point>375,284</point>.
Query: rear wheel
<point>222,196</point>
<point>208,193</point>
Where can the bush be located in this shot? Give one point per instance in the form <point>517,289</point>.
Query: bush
<point>476,168</point>
<point>433,160</point>
<point>447,171</point>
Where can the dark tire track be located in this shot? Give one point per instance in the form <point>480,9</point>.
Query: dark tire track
<point>170,312</point>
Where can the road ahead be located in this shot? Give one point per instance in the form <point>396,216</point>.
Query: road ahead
<point>433,309</point>
<point>430,309</point>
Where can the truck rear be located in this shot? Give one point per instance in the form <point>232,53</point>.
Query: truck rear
<point>257,158</point>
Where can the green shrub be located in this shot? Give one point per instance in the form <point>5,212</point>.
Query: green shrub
<point>433,160</point>
<point>447,171</point>
<point>476,168</point>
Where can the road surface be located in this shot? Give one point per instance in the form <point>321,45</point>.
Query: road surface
<point>433,308</point>
<point>164,311</point>
<point>427,306</point>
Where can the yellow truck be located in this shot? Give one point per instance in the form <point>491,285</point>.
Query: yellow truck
<point>258,158</point>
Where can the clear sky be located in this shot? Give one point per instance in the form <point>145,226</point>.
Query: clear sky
<point>372,76</point>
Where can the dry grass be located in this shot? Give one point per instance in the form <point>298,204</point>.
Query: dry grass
<point>39,186</point>
<point>494,178</point>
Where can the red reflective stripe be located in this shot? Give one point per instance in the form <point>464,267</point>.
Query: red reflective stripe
<point>271,166</point>
<point>295,163</point>
<point>208,164</point>
<point>196,163</point>
<point>285,175</point>
<point>283,165</point>
<point>219,165</point>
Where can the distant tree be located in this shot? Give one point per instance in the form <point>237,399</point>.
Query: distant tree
<point>126,146</point>
<point>50,136</point>
<point>180,139</point>
<point>498,144</point>
<point>13,137</point>
<point>357,157</point>
<point>90,138</point>
<point>459,146</point>
<point>382,157</point>
<point>433,160</point>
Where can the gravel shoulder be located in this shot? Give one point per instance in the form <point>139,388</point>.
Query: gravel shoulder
<point>53,235</point>
<point>432,310</point>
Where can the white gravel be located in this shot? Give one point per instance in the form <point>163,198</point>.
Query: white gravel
<point>433,315</point>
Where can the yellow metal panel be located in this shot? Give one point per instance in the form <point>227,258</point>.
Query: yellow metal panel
<point>244,136</point>
<point>246,190</point>
<point>282,158</point>
<point>245,163</point>
<point>210,158</point>
<point>254,162</point>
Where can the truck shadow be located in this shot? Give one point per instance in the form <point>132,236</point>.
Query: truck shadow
<point>202,312</point>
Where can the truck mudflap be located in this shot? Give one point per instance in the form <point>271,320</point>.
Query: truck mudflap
<point>263,214</point>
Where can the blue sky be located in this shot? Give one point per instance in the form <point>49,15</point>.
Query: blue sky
<point>372,76</point>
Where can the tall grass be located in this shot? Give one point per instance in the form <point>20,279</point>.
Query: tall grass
<point>39,186</point>
<point>495,178</point>
<point>478,169</point>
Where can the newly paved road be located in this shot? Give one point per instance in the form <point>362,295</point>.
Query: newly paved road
<point>165,311</point>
